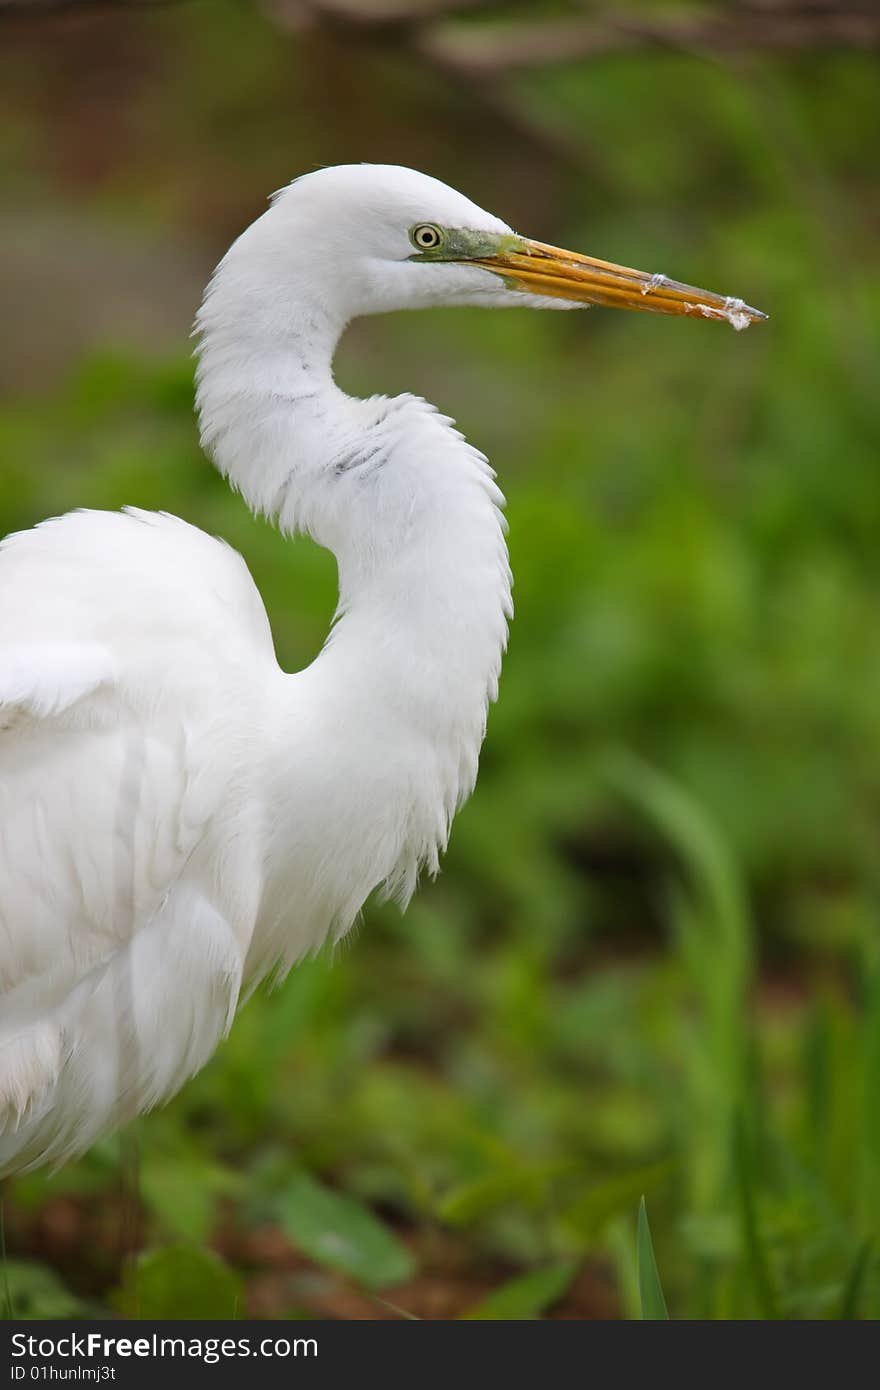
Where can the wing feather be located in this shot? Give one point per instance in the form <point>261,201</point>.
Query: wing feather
<point>44,678</point>
<point>134,653</point>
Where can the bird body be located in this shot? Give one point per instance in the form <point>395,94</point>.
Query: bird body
<point>178,816</point>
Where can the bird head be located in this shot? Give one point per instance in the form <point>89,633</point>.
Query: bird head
<point>370,238</point>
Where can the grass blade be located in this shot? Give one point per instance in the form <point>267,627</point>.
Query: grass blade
<point>756,1254</point>
<point>714,942</point>
<point>650,1289</point>
<point>848,1310</point>
<point>527,1296</point>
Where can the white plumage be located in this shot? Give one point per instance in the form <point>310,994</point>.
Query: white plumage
<point>178,817</point>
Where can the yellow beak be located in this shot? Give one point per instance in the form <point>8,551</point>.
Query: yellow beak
<point>547,270</point>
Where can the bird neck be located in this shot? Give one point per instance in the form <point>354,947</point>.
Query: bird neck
<point>413,516</point>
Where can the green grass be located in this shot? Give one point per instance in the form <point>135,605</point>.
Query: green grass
<point>653,1304</point>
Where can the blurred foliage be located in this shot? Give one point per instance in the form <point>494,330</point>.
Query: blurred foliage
<point>651,963</point>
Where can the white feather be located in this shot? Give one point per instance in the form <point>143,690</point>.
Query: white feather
<point>179,817</point>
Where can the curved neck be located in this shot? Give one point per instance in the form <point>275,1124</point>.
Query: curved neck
<point>413,516</point>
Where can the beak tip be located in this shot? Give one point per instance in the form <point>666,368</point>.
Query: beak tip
<point>738,314</point>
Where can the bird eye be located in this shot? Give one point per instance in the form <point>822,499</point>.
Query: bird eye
<point>426,237</point>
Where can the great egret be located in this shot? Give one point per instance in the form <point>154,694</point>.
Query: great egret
<point>178,816</point>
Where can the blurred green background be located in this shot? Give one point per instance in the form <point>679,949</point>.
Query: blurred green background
<point>650,965</point>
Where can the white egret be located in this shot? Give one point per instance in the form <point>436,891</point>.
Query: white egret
<point>178,816</point>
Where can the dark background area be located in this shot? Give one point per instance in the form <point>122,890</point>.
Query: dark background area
<point>651,962</point>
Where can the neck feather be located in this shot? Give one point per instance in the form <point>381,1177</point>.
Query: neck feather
<point>413,516</point>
